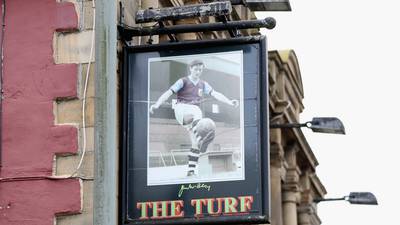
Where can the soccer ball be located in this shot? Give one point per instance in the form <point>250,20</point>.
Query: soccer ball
<point>204,130</point>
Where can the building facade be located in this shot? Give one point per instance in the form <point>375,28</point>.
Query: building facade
<point>59,160</point>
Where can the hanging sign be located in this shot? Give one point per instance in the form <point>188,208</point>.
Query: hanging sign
<point>194,132</point>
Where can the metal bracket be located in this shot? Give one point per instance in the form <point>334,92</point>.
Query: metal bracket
<point>232,32</point>
<point>172,37</point>
<point>128,32</point>
<point>221,10</point>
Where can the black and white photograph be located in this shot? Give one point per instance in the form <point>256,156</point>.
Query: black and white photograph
<point>195,118</point>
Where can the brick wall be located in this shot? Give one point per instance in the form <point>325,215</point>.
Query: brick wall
<point>46,52</point>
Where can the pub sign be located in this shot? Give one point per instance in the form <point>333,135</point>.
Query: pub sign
<point>195,142</point>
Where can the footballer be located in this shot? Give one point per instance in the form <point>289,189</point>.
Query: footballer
<point>190,91</point>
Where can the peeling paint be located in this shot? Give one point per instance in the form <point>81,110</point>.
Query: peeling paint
<point>183,12</point>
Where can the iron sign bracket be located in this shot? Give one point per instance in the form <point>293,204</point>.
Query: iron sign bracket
<point>220,10</point>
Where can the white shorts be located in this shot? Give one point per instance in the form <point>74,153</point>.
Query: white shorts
<point>186,111</point>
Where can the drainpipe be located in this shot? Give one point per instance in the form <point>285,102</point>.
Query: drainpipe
<point>106,136</point>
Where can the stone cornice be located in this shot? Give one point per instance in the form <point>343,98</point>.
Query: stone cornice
<point>289,58</point>
<point>304,146</point>
<point>288,65</point>
<point>317,185</point>
<point>311,214</point>
<point>285,64</point>
<point>285,86</point>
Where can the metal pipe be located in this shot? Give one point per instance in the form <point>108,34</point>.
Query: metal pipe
<point>238,2</point>
<point>128,33</point>
<point>330,125</point>
<point>233,2</point>
<point>288,125</point>
<point>105,193</point>
<point>329,199</point>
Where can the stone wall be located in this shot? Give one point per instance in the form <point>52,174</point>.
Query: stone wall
<point>294,183</point>
<point>75,48</point>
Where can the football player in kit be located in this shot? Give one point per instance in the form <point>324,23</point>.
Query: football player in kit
<point>190,91</point>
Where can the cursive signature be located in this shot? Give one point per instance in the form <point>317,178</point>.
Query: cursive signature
<point>197,186</point>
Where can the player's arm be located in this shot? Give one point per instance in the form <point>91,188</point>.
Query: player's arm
<point>163,98</point>
<point>222,98</point>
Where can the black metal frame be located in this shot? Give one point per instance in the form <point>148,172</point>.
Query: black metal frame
<point>263,128</point>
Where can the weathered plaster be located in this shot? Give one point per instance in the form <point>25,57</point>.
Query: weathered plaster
<point>31,82</point>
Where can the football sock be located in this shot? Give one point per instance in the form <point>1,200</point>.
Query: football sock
<point>193,160</point>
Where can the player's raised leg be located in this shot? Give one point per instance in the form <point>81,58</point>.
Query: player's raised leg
<point>193,157</point>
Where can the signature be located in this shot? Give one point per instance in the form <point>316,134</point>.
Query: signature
<point>197,186</point>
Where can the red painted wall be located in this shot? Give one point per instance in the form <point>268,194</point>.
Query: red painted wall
<point>30,139</point>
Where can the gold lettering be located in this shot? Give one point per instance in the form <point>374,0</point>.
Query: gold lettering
<point>157,210</point>
<point>230,205</point>
<point>176,209</point>
<point>142,206</point>
<point>245,203</point>
<point>198,204</point>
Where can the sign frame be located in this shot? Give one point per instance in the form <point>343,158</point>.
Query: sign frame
<point>128,186</point>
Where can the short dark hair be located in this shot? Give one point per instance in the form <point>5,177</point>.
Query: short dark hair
<point>196,62</point>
